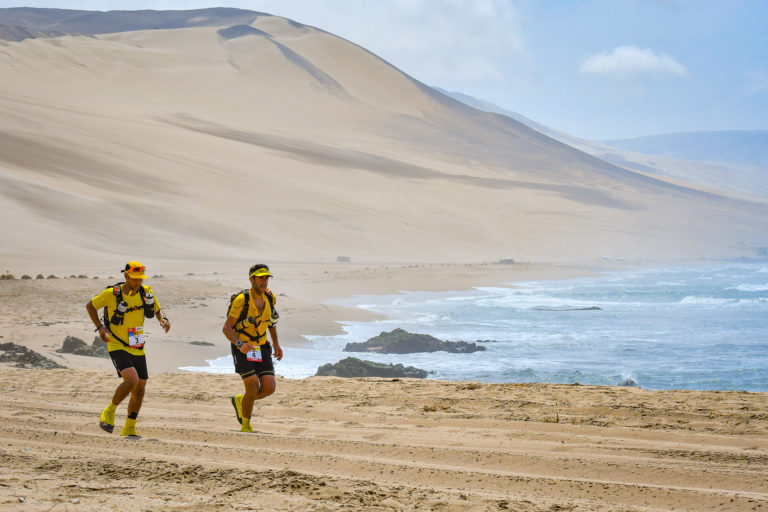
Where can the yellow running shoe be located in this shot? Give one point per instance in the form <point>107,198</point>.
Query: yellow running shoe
<point>129,432</point>
<point>246,425</point>
<point>129,429</point>
<point>237,403</point>
<point>107,419</point>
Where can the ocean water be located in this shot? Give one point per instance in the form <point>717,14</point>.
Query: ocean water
<point>703,328</point>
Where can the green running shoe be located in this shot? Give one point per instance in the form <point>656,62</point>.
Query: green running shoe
<point>107,420</point>
<point>237,403</point>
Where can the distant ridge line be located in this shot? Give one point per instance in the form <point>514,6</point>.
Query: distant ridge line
<point>21,23</point>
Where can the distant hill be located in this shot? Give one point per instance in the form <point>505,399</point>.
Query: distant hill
<point>21,23</point>
<point>744,146</point>
<point>742,172</point>
<point>487,106</point>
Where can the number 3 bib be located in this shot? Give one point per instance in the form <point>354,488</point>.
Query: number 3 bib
<point>136,337</point>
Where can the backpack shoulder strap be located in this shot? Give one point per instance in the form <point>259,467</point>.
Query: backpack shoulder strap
<point>117,290</point>
<point>273,312</point>
<point>244,311</point>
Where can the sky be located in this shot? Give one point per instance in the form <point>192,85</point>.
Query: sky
<point>596,69</point>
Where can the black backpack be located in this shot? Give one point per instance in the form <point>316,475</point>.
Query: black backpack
<point>244,311</point>
<point>117,290</point>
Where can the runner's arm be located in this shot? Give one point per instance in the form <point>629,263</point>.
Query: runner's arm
<point>164,322</point>
<point>231,335</point>
<point>278,350</point>
<point>103,332</point>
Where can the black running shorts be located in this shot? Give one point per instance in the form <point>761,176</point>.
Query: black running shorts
<point>122,360</point>
<point>246,368</point>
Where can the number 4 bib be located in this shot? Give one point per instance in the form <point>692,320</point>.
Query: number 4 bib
<point>254,355</point>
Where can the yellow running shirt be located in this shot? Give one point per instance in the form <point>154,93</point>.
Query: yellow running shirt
<point>259,329</point>
<point>131,330</point>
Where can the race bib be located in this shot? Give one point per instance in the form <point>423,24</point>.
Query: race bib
<point>254,355</point>
<point>136,337</point>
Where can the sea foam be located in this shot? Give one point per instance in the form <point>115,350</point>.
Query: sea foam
<point>668,328</point>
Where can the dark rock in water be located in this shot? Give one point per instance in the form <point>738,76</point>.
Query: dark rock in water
<point>353,367</point>
<point>98,348</point>
<point>78,347</point>
<point>403,342</point>
<point>71,344</point>
<point>628,383</point>
<point>22,356</point>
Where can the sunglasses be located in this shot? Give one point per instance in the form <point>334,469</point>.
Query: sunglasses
<point>136,269</point>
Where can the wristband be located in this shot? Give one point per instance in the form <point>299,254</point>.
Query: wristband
<point>99,327</point>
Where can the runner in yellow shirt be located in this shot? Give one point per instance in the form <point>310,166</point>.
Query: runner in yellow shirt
<point>251,315</point>
<point>122,328</point>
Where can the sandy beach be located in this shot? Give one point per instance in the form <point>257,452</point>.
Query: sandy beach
<point>381,445</point>
<point>239,139</point>
<point>351,444</point>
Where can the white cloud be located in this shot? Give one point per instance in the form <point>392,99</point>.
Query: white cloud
<point>442,42</point>
<point>453,40</point>
<point>631,60</point>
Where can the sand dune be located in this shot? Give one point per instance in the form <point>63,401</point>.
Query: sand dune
<point>742,180</point>
<point>334,151</point>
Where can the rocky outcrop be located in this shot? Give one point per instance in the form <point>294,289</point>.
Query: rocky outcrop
<point>78,347</point>
<point>353,367</point>
<point>25,358</point>
<point>399,341</point>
